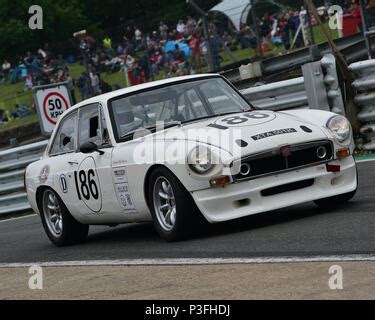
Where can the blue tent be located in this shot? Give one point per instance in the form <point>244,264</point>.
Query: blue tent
<point>170,46</point>
<point>19,73</point>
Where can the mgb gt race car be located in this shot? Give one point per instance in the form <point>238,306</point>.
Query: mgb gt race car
<point>181,151</point>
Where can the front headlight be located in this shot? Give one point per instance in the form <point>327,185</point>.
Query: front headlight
<point>340,127</point>
<point>200,160</point>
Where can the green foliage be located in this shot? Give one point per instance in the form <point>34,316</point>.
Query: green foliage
<point>64,17</point>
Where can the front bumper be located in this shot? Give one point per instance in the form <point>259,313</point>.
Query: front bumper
<point>245,198</point>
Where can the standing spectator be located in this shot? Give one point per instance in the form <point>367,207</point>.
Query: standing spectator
<point>145,66</point>
<point>28,60</point>
<point>120,49</point>
<point>180,28</point>
<point>70,82</point>
<point>42,55</point>
<point>195,48</point>
<point>107,44</point>
<point>163,30</point>
<point>6,67</point>
<point>95,83</point>
<point>138,39</point>
<point>294,23</point>
<point>129,33</point>
<point>83,86</point>
<point>283,28</point>
<point>215,51</point>
<point>370,10</point>
<point>28,83</point>
<point>356,11</point>
<point>242,37</point>
<point>190,25</point>
<point>265,27</point>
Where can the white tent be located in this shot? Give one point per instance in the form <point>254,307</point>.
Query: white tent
<point>236,10</point>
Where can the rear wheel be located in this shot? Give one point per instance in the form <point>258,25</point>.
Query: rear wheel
<point>61,228</point>
<point>173,210</point>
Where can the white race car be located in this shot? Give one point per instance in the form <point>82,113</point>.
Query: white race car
<point>182,150</point>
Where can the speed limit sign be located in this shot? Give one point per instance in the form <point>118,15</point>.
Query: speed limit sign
<point>51,102</point>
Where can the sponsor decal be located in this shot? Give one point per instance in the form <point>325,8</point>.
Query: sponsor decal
<point>63,183</point>
<point>43,176</point>
<point>124,197</point>
<point>273,133</point>
<point>122,189</point>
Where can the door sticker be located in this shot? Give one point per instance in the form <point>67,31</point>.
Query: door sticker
<point>63,183</point>
<point>122,190</point>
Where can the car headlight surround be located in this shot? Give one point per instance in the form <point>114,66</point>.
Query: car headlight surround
<point>340,127</point>
<point>200,160</point>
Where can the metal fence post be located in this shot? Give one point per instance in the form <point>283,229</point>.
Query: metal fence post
<point>332,82</point>
<point>365,98</point>
<point>314,85</point>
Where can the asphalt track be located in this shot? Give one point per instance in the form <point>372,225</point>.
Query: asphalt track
<point>298,231</point>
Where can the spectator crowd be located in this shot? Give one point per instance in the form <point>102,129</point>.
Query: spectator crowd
<point>165,52</point>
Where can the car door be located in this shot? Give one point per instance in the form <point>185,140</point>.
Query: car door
<point>94,189</point>
<point>61,152</point>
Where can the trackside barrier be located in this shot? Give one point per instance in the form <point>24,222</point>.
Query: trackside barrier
<point>365,98</point>
<point>317,89</point>
<point>12,167</point>
<point>281,95</point>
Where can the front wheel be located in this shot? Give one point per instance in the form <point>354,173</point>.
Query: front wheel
<point>335,200</point>
<point>60,226</point>
<point>173,210</point>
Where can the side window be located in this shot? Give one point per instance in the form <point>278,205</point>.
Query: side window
<point>89,125</point>
<point>65,139</point>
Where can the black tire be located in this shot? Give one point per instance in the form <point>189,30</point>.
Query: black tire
<point>73,232</point>
<point>336,200</point>
<point>187,217</point>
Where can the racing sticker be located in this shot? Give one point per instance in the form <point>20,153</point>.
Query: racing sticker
<point>43,176</point>
<point>273,133</point>
<point>122,189</point>
<point>63,183</point>
<point>87,185</point>
<point>245,119</point>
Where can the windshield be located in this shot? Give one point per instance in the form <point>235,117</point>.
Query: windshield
<point>176,103</point>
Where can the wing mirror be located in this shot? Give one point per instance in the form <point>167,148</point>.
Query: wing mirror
<point>90,147</point>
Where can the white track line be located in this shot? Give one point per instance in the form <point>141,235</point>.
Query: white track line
<point>365,160</point>
<point>18,218</point>
<point>194,261</point>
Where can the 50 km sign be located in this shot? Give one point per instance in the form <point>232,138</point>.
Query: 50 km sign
<point>54,105</point>
<point>51,102</point>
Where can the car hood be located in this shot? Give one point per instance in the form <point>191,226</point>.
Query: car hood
<point>252,132</point>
